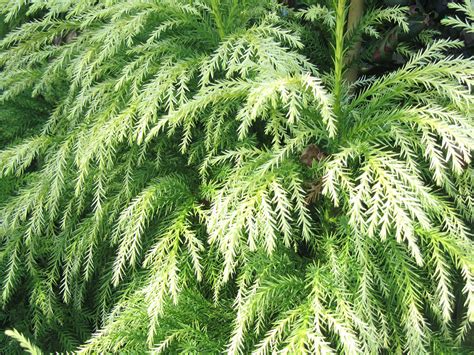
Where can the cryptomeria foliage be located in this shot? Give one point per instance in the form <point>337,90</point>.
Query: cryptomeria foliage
<point>202,185</point>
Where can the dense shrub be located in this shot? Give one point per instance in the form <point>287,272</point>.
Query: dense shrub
<point>218,175</point>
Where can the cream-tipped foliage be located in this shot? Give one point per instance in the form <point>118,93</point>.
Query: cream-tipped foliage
<point>24,343</point>
<point>466,9</point>
<point>166,207</point>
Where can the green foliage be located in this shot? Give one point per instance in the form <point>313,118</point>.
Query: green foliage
<point>18,119</point>
<point>205,183</point>
<point>25,343</point>
<point>467,9</point>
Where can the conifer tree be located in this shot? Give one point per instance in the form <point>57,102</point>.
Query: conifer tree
<point>210,181</point>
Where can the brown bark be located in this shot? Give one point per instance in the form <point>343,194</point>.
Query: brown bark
<point>356,11</point>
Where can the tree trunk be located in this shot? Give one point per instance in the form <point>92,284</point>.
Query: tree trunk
<point>356,11</point>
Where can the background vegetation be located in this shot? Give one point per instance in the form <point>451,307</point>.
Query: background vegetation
<point>237,175</point>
